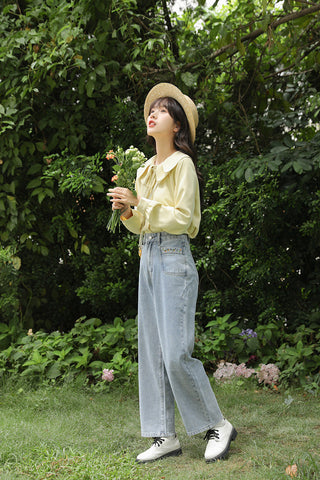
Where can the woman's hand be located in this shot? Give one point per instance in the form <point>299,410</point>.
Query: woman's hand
<point>122,198</point>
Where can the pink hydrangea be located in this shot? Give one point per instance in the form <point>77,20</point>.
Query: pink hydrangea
<point>225,370</point>
<point>243,371</point>
<point>107,375</point>
<point>268,374</point>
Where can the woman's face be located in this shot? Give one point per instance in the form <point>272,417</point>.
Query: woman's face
<point>160,124</point>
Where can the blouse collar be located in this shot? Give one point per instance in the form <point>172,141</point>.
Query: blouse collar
<point>163,168</point>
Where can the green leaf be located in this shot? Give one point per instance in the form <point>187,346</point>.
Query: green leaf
<point>189,79</point>
<point>36,359</point>
<point>16,262</point>
<point>36,168</point>
<point>302,165</point>
<point>36,182</point>
<point>4,328</point>
<point>44,251</point>
<point>73,233</point>
<point>241,47</point>
<point>98,186</point>
<point>85,249</point>
<point>41,196</point>
<point>90,88</point>
<point>37,191</point>
<point>41,147</point>
<point>279,149</point>
<point>24,237</point>
<point>100,70</point>
<point>54,371</point>
<point>249,175</point>
<point>253,344</point>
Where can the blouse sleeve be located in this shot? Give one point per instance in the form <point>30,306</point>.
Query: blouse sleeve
<point>134,223</point>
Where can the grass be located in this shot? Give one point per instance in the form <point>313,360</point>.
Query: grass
<point>71,433</point>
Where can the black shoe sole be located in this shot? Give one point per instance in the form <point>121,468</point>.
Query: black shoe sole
<point>174,453</point>
<point>225,452</point>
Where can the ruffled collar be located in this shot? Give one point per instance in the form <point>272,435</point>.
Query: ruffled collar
<point>161,170</point>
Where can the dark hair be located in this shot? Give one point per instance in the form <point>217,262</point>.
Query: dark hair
<point>182,139</point>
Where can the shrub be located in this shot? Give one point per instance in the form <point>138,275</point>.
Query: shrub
<point>89,348</point>
<point>299,356</point>
<point>296,355</point>
<point>267,374</point>
<point>9,302</point>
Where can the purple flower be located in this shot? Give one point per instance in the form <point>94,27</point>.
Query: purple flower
<point>107,375</point>
<point>248,333</point>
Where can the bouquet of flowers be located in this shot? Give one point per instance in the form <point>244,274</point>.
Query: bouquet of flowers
<point>126,164</point>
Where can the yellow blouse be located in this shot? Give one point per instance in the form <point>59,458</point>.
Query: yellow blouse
<point>169,197</point>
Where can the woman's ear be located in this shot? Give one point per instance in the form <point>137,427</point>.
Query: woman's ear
<point>177,127</point>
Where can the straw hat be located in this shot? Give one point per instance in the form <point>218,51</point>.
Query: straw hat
<point>169,90</point>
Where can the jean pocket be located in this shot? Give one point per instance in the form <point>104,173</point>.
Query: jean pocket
<point>173,260</point>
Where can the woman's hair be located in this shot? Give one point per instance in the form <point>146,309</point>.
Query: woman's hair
<point>182,139</point>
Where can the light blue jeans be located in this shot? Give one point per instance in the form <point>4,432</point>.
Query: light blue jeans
<point>168,289</point>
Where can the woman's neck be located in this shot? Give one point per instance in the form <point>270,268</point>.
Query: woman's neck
<point>164,150</point>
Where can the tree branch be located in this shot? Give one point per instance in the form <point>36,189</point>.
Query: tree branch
<point>173,41</point>
<point>273,25</point>
<point>305,2</point>
<point>247,38</point>
<point>246,121</point>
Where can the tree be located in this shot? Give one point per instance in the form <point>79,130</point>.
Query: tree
<point>74,76</point>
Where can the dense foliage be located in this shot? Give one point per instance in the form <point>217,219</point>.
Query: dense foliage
<point>73,78</point>
<point>89,347</point>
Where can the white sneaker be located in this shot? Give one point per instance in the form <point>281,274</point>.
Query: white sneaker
<point>161,447</point>
<point>219,440</point>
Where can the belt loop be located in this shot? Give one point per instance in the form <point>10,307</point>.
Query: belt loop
<point>159,239</point>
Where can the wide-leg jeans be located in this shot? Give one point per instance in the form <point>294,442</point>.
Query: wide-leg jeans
<point>168,288</point>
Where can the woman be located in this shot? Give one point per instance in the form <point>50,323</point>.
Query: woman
<point>166,214</point>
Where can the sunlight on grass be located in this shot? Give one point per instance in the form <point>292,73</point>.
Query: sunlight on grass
<point>72,465</point>
<point>72,433</point>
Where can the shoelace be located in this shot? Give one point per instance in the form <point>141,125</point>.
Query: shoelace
<point>211,435</point>
<point>157,441</point>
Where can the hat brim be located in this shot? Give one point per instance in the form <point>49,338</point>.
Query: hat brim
<point>168,90</point>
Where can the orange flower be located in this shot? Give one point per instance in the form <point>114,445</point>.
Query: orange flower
<point>114,178</point>
<point>110,155</point>
<point>292,470</point>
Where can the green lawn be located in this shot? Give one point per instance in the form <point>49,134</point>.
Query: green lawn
<point>72,433</point>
